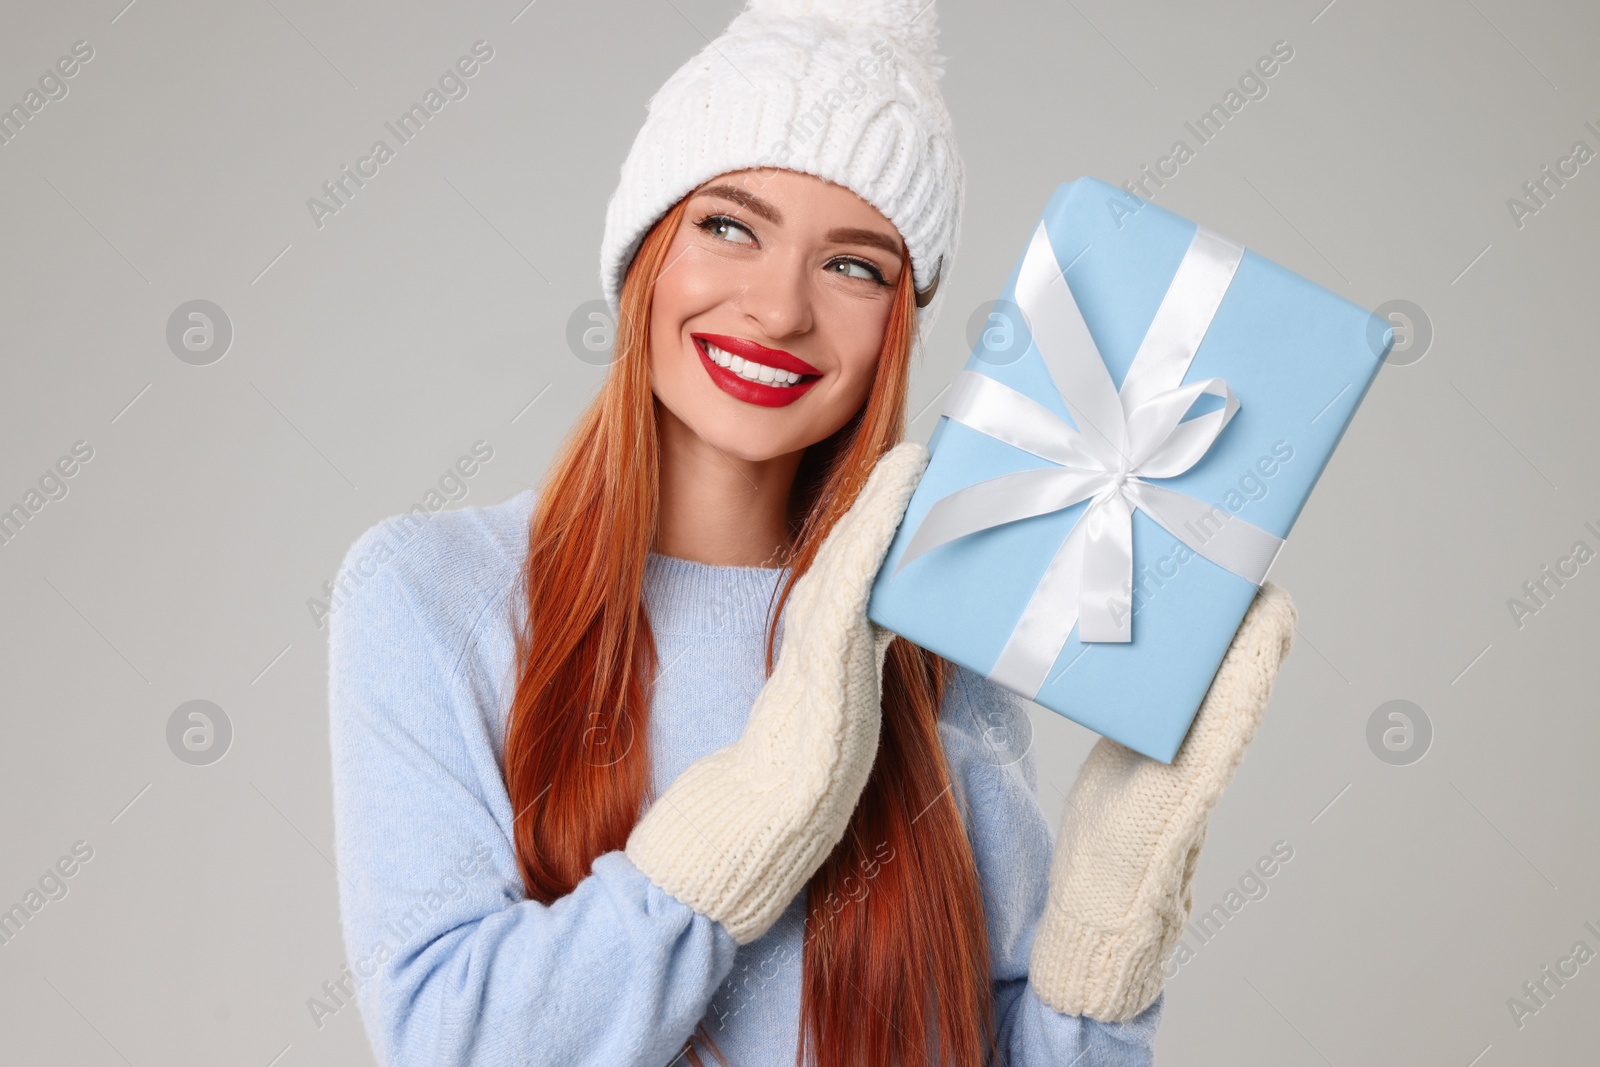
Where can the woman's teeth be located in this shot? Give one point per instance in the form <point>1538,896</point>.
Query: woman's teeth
<point>751,370</point>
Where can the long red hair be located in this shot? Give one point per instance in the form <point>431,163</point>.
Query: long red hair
<point>895,952</point>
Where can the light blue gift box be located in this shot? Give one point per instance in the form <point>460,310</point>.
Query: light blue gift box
<point>1298,357</point>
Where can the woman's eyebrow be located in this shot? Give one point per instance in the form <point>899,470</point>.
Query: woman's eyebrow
<point>842,235</point>
<point>851,235</point>
<point>745,199</point>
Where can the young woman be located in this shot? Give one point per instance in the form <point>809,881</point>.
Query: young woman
<point>624,775</point>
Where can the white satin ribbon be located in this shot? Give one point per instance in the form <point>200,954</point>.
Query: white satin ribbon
<point>1123,438</point>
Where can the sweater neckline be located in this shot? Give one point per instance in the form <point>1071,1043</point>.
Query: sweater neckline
<point>689,597</point>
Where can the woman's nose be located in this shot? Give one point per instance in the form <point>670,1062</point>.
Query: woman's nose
<point>777,296</point>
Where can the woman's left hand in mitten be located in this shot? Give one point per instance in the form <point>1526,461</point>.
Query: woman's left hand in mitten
<point>1124,860</point>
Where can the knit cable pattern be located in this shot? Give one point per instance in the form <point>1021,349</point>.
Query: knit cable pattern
<point>845,90</point>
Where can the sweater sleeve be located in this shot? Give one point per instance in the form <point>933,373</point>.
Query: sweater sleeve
<point>987,736</point>
<point>450,962</point>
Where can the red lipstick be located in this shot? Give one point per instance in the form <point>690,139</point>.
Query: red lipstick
<point>742,388</point>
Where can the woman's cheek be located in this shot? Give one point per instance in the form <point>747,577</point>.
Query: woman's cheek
<point>863,363</point>
<point>703,280</point>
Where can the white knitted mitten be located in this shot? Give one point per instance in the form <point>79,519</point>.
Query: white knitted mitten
<point>1120,878</point>
<point>742,829</point>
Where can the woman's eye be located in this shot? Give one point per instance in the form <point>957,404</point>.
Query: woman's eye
<point>726,229</point>
<point>855,268</point>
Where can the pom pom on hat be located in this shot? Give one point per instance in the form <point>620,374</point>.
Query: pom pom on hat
<point>846,90</point>
<point>910,22</point>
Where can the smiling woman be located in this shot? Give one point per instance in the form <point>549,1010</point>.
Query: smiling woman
<point>777,267</point>
<point>686,759</point>
<point>767,323</point>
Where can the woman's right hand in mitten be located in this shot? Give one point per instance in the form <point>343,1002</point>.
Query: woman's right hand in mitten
<point>739,833</point>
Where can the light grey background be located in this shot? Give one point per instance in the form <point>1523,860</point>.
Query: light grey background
<point>431,313</point>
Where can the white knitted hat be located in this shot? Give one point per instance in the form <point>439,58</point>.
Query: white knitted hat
<point>846,90</point>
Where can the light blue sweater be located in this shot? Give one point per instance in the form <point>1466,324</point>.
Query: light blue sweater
<point>450,962</point>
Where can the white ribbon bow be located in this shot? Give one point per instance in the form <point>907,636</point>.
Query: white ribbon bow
<point>1123,439</point>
